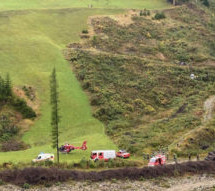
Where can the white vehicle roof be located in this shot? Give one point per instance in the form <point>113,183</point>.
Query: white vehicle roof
<point>42,154</point>
<point>123,151</point>
<point>100,151</point>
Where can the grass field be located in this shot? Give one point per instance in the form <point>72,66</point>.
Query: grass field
<point>32,42</point>
<point>47,4</point>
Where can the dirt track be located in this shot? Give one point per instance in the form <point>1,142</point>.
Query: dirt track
<point>209,105</point>
<point>188,183</point>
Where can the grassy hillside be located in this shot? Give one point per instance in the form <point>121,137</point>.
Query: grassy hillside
<point>33,36</point>
<point>138,76</point>
<point>50,4</point>
<point>31,45</point>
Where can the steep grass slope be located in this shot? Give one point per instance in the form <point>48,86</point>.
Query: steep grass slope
<point>31,45</point>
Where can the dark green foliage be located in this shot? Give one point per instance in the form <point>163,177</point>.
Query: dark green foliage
<point>55,118</point>
<point>21,106</point>
<point>7,128</point>
<point>8,134</point>
<point>85,31</point>
<point>7,97</point>
<point>205,2</point>
<point>26,186</point>
<point>5,89</point>
<point>159,16</point>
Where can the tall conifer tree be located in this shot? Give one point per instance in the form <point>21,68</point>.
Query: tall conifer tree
<point>55,118</point>
<point>8,88</point>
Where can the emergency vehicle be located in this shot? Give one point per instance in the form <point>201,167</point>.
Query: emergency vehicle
<point>123,154</point>
<point>44,157</point>
<point>67,148</point>
<point>157,160</point>
<point>103,155</point>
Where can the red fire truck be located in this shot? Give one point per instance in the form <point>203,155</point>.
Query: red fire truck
<point>159,159</point>
<point>103,155</point>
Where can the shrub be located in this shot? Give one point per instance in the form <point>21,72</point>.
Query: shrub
<point>85,31</point>
<point>159,16</point>
<point>110,163</point>
<point>205,2</point>
<point>92,164</point>
<point>13,145</point>
<point>1,182</point>
<point>26,186</point>
<point>83,163</point>
<point>22,107</point>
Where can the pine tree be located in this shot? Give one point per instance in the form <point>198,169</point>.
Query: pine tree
<point>7,86</point>
<point>1,88</point>
<point>55,118</point>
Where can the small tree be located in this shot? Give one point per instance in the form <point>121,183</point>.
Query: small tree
<point>55,118</point>
<point>8,88</point>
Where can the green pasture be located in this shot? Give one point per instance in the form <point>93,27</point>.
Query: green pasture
<point>50,4</point>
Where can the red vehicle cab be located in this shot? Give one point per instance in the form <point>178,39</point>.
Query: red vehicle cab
<point>123,154</point>
<point>157,160</point>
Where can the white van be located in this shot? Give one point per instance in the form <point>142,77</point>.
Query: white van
<point>44,157</point>
<point>103,155</point>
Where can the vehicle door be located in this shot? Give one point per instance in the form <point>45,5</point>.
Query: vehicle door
<point>101,156</point>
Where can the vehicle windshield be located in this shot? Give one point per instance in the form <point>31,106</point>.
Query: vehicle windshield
<point>39,157</point>
<point>152,160</point>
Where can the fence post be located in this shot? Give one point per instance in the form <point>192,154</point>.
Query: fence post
<point>197,157</point>
<point>175,158</point>
<point>189,156</point>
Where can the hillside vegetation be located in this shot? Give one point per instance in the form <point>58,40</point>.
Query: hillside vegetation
<point>12,110</point>
<point>138,77</point>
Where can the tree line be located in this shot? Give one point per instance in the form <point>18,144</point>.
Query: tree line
<point>7,97</point>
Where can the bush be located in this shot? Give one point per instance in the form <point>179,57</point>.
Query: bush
<point>159,16</point>
<point>1,182</point>
<point>13,145</point>
<point>110,163</point>
<point>205,2</point>
<point>83,163</point>
<point>145,12</point>
<point>85,31</point>
<point>26,186</point>
<point>22,107</point>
